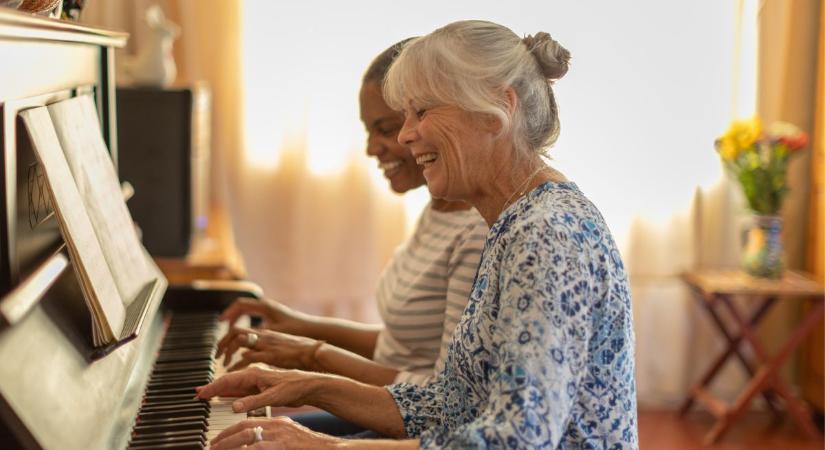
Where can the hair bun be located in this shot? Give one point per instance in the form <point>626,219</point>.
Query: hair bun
<point>553,59</point>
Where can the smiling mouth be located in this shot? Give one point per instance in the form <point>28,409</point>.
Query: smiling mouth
<point>389,165</point>
<point>391,168</point>
<point>426,159</point>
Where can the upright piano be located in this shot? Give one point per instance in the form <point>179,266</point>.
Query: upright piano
<point>56,390</point>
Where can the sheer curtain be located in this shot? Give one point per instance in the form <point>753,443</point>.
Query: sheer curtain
<point>652,84</point>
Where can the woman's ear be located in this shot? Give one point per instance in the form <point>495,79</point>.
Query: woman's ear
<point>510,100</point>
<point>493,122</point>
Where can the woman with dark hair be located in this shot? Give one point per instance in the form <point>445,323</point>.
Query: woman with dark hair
<point>543,355</point>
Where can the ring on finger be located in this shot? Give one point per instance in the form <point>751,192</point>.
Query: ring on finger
<point>259,433</point>
<point>251,340</point>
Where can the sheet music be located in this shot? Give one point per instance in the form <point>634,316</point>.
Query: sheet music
<point>78,129</point>
<point>100,290</point>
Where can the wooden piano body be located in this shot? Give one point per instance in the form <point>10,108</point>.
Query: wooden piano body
<point>53,394</point>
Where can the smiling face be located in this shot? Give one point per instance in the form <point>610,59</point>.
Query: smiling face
<point>383,125</point>
<point>454,147</point>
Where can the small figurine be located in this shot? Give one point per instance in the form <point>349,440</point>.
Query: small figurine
<point>72,9</point>
<point>153,65</point>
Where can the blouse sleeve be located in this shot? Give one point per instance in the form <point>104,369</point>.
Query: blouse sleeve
<point>420,406</point>
<point>541,344</point>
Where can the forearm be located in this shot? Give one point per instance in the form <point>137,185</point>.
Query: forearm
<point>372,407</point>
<point>356,337</point>
<point>331,359</point>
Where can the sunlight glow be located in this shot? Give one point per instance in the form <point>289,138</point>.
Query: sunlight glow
<point>648,91</point>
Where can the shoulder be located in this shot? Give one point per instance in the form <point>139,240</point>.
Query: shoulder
<point>555,229</point>
<point>554,215</point>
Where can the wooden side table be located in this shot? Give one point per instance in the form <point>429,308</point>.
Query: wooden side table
<point>715,290</point>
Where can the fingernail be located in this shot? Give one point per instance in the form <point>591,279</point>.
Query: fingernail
<point>237,406</point>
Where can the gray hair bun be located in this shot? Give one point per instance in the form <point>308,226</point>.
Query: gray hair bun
<point>553,59</point>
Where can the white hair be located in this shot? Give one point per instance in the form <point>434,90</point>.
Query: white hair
<point>470,63</point>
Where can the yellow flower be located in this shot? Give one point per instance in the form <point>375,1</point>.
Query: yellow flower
<point>743,133</point>
<point>727,149</point>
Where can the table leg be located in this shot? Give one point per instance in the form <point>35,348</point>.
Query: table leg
<point>733,347</point>
<point>768,373</point>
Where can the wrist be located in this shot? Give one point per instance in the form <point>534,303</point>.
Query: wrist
<point>317,389</point>
<point>311,358</point>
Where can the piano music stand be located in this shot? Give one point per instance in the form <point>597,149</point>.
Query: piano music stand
<point>715,290</point>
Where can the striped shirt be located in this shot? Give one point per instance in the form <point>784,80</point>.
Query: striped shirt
<point>424,289</point>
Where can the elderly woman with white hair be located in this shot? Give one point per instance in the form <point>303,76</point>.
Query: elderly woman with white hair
<point>542,356</point>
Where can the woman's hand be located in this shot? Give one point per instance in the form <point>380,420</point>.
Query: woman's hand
<point>270,347</point>
<point>259,387</point>
<point>274,315</point>
<point>277,433</point>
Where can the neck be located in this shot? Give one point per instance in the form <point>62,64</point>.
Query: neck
<point>510,184</point>
<point>441,205</point>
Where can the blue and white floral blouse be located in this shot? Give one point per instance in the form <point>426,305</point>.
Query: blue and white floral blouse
<point>543,354</point>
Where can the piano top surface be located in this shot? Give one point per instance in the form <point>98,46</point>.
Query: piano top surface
<point>20,25</point>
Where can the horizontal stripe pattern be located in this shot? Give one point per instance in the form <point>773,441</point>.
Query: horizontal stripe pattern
<point>424,289</point>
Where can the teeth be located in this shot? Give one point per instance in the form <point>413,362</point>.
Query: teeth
<point>426,158</point>
<point>389,165</point>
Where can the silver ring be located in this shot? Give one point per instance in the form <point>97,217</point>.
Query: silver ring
<point>251,340</point>
<point>259,433</point>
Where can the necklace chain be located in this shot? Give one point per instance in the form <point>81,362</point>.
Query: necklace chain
<point>522,189</point>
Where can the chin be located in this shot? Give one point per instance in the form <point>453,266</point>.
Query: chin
<point>400,186</point>
<point>435,192</point>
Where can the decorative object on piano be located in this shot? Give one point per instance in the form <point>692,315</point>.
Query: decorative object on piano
<point>154,64</point>
<point>759,159</point>
<point>72,9</point>
<point>45,7</point>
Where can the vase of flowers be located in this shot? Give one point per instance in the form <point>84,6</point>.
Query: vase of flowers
<point>759,159</point>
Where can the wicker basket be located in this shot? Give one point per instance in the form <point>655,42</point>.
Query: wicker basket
<point>38,6</point>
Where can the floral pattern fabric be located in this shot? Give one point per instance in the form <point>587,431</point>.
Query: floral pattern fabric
<point>543,354</point>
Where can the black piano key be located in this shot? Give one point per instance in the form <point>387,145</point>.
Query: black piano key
<point>181,376</point>
<point>179,412</point>
<point>167,435</point>
<point>172,445</point>
<point>170,384</point>
<point>172,426</point>
<point>182,366</point>
<point>161,404</point>
<point>172,388</point>
<point>149,398</point>
<point>172,420</point>
<point>161,438</point>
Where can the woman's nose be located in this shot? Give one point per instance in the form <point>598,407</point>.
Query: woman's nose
<point>408,133</point>
<point>374,145</point>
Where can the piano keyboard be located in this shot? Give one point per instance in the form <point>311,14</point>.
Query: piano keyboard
<point>170,417</point>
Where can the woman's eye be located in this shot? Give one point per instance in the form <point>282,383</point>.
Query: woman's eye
<point>420,113</point>
<point>388,131</point>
